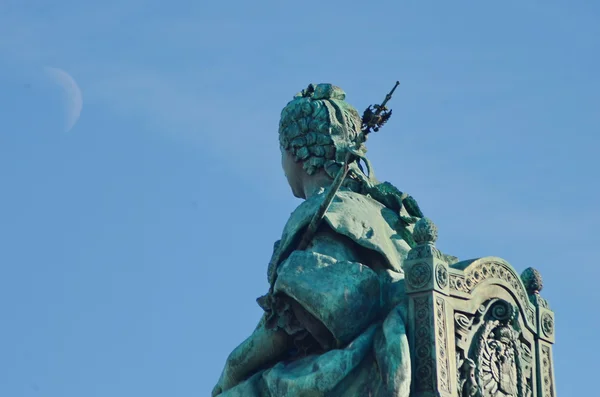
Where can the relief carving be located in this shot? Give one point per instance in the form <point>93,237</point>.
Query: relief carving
<point>424,379</point>
<point>498,362</point>
<point>419,275</point>
<point>474,276</point>
<point>443,358</point>
<point>547,371</point>
<point>425,251</point>
<point>441,275</point>
<point>547,324</point>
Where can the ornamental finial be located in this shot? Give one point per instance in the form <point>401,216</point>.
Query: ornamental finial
<point>532,280</point>
<point>425,232</point>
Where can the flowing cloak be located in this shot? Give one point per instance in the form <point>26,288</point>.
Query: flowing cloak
<point>353,311</point>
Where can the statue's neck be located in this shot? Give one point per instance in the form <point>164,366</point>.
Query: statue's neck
<point>316,184</point>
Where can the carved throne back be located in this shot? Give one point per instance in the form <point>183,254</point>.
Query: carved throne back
<point>476,329</point>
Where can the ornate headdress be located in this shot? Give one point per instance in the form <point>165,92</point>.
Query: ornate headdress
<point>319,128</point>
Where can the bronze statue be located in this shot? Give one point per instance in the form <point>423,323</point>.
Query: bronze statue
<point>333,320</point>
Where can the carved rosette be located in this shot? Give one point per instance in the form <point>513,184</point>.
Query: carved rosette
<point>419,275</point>
<point>547,324</point>
<point>441,275</point>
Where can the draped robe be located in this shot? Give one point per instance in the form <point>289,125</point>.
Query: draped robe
<point>342,300</point>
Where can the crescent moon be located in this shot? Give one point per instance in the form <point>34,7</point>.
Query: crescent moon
<point>74,97</point>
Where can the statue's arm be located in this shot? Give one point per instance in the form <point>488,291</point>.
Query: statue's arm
<point>263,347</point>
<point>341,248</point>
<point>327,242</point>
<point>268,345</point>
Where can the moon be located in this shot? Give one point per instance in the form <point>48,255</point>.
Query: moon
<point>72,91</point>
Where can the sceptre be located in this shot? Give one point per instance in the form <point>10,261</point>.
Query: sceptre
<point>374,117</point>
<point>371,121</point>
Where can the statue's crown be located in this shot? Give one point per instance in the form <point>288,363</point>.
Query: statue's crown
<point>322,91</point>
<point>504,333</point>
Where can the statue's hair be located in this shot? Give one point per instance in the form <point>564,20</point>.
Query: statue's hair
<point>318,128</point>
<point>317,125</point>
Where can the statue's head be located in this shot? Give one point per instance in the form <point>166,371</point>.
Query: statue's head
<point>315,130</point>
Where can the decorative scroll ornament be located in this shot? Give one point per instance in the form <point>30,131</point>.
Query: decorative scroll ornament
<point>497,270</point>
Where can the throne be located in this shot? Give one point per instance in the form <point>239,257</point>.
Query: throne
<point>475,328</point>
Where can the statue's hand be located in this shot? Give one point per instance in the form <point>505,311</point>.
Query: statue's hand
<point>264,346</point>
<point>216,391</point>
<point>225,382</point>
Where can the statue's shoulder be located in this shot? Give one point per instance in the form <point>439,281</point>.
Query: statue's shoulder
<point>358,217</point>
<point>370,224</point>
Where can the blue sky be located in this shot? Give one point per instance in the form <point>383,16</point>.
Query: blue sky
<point>132,248</point>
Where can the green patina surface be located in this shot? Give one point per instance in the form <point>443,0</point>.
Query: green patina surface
<point>334,321</point>
<point>350,281</point>
<point>342,311</point>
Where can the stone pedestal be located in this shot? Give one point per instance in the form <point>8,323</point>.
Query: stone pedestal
<point>476,329</point>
